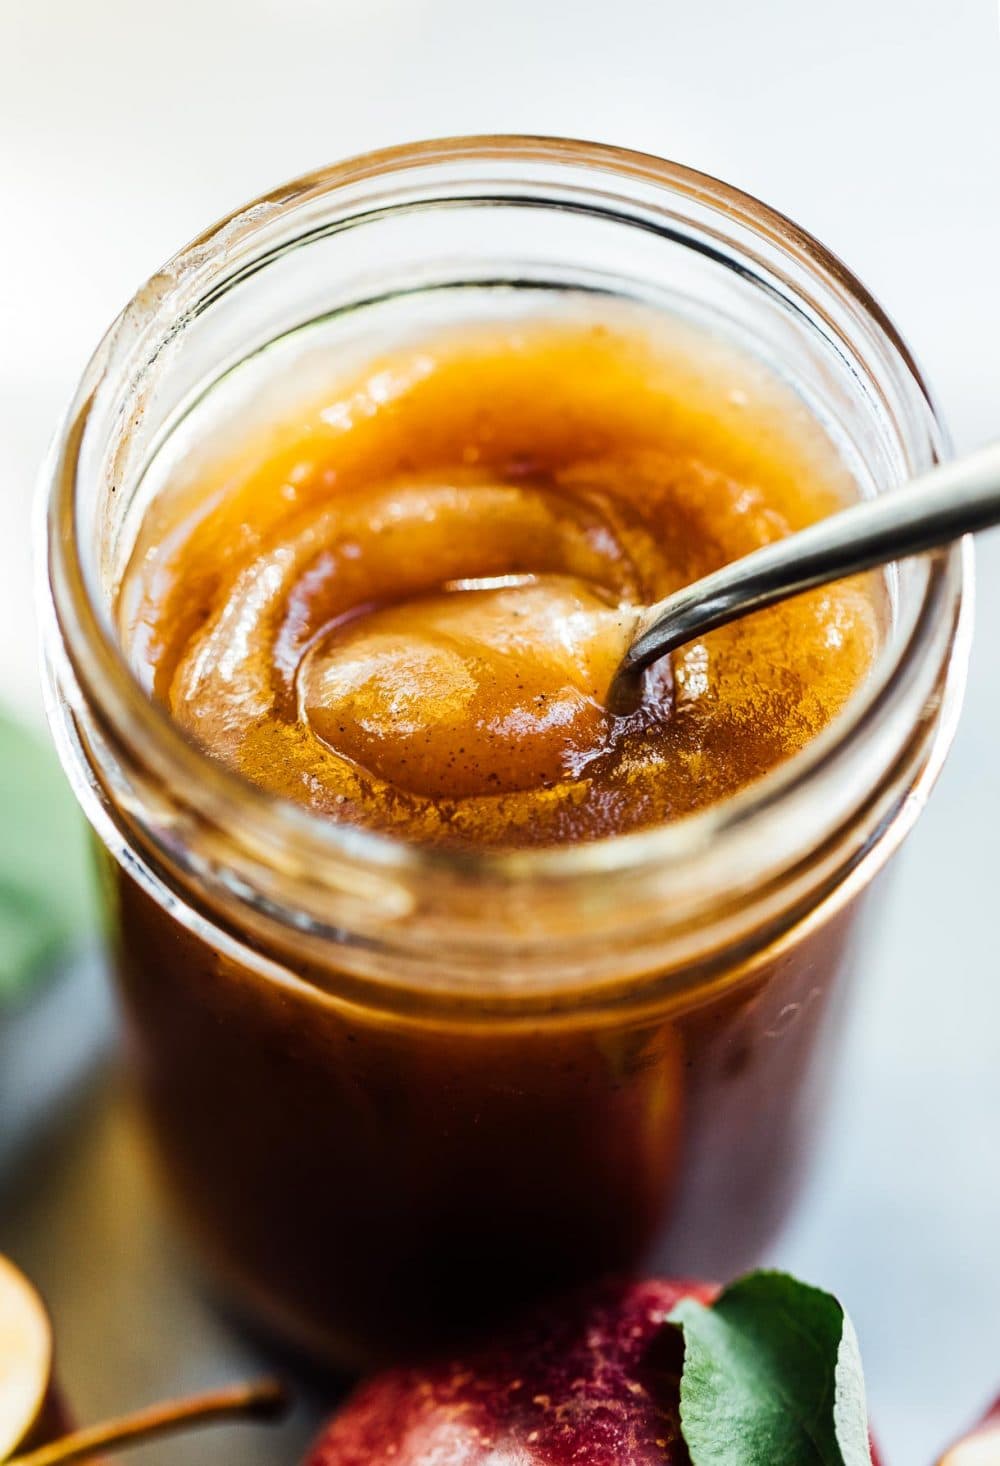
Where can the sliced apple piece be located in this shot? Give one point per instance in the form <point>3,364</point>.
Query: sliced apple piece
<point>25,1358</point>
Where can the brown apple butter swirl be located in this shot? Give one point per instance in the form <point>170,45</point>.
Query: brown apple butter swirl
<point>402,603</point>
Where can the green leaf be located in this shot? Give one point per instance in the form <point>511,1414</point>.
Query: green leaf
<point>46,894</point>
<point>772,1377</point>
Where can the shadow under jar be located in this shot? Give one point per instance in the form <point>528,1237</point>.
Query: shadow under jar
<point>396,1091</point>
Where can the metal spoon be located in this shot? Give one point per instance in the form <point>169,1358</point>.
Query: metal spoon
<point>932,510</point>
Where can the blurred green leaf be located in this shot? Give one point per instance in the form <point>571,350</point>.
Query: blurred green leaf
<point>46,891</point>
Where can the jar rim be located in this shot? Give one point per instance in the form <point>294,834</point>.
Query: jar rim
<point>125,711</point>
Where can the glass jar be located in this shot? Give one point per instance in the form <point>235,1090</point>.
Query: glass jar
<point>396,1092</point>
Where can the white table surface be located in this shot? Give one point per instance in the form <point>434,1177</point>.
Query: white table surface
<point>124,128</point>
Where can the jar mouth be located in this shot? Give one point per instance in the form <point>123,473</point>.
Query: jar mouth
<point>836,768</point>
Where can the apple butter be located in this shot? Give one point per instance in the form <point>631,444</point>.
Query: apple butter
<point>400,604</point>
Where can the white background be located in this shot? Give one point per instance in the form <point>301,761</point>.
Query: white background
<point>126,127</point>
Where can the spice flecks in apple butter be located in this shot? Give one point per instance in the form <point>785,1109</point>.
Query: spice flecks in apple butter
<point>402,603</point>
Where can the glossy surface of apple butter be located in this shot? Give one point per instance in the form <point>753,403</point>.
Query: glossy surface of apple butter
<point>299,597</point>
<point>304,608</point>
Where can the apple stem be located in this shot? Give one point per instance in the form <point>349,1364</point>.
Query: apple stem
<point>265,1400</point>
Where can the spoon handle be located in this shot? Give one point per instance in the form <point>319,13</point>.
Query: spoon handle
<point>932,510</point>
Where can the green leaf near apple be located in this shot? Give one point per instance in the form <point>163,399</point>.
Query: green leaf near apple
<point>772,1372</point>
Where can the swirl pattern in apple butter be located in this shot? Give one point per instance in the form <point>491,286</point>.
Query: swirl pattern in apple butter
<point>401,603</point>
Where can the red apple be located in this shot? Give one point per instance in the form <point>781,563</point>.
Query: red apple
<point>591,1382</point>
